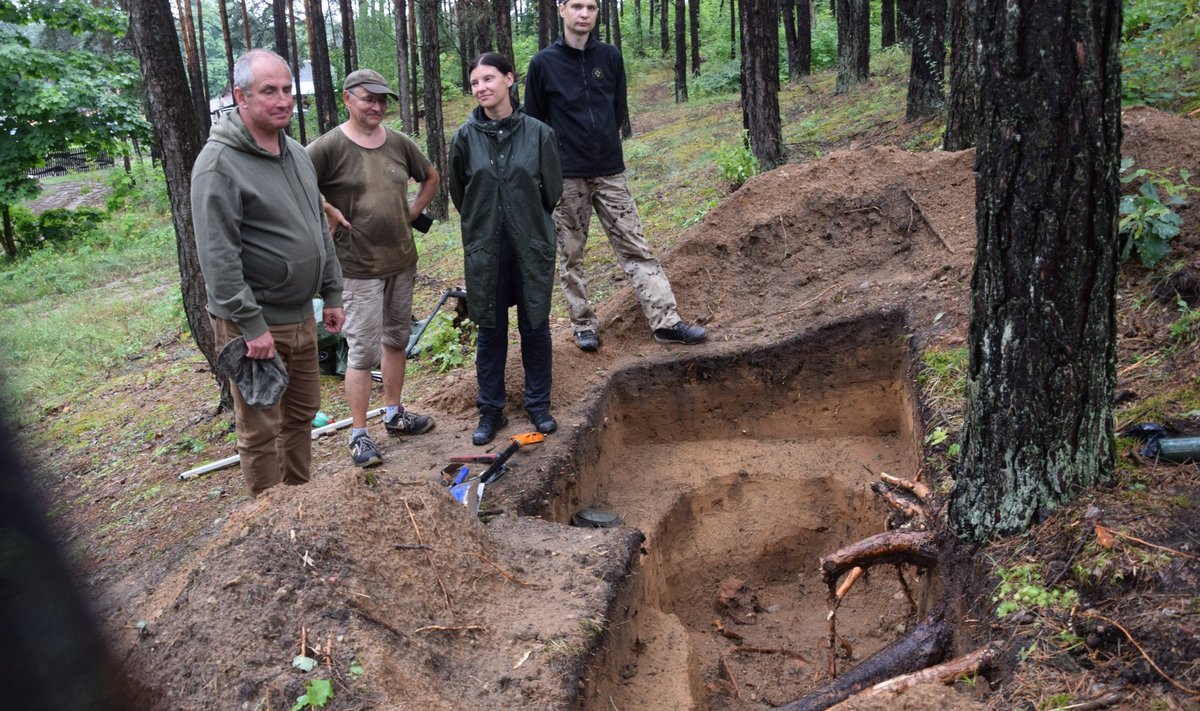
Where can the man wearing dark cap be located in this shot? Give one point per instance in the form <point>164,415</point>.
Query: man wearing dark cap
<point>363,169</point>
<point>264,252</point>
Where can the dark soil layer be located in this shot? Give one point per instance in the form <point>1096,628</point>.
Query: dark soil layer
<point>743,459</point>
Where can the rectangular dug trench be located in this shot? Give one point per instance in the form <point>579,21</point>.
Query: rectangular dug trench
<point>741,472</point>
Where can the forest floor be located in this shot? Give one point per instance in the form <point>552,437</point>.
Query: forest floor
<point>829,290</point>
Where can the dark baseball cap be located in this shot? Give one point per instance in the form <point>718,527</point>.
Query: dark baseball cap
<point>370,80</point>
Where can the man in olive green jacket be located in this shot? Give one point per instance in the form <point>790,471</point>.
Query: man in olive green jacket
<point>265,252</point>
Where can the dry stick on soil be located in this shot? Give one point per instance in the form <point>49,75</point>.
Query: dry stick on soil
<point>932,227</point>
<point>413,547</point>
<point>944,673</point>
<point>1101,703</point>
<point>763,650</point>
<point>442,628</point>
<point>413,519</point>
<point>1114,623</point>
<point>1128,537</point>
<point>512,578</point>
<point>376,621</point>
<point>912,603</point>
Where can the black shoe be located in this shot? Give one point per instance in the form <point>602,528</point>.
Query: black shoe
<point>682,332</point>
<point>490,422</point>
<point>363,452</point>
<point>408,423</point>
<point>587,340</point>
<point>543,421</point>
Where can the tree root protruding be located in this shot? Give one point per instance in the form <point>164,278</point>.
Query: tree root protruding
<point>944,673</point>
<point>926,644</point>
<point>913,547</point>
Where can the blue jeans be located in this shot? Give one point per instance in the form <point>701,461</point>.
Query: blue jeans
<point>492,345</point>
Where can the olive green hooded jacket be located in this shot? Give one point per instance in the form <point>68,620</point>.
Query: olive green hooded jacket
<point>506,172</point>
<point>261,235</point>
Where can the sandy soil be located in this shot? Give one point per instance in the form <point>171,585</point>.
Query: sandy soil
<point>738,461</point>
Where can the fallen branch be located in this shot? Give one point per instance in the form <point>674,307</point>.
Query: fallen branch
<point>730,634</point>
<point>762,650</point>
<point>1163,674</point>
<point>944,673</point>
<point>509,576</point>
<point>926,644</point>
<point>925,218</point>
<point>442,628</point>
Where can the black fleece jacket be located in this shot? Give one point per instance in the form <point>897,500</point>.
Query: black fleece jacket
<point>581,95</point>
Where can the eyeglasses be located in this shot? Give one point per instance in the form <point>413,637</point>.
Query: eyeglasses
<point>382,100</point>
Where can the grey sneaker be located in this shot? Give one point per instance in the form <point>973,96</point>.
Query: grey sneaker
<point>408,423</point>
<point>364,452</point>
<point>587,340</point>
<point>682,332</point>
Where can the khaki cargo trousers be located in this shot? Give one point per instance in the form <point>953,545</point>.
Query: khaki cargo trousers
<point>610,198</point>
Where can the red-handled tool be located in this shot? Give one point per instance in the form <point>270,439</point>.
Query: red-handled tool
<point>494,471</point>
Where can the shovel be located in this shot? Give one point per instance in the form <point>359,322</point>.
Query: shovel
<point>498,469</point>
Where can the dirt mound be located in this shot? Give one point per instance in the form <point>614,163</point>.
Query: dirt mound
<point>410,602</point>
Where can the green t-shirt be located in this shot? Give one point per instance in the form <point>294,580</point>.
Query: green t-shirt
<point>370,187</point>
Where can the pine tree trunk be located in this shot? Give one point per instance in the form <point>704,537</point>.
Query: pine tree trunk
<point>734,14</point>
<point>854,43</point>
<point>663,36</point>
<point>905,14</point>
<point>962,113</point>
<point>349,44</point>
<point>300,122</point>
<point>803,38</point>
<point>318,52</point>
<point>694,29</point>
<point>279,18</point>
<point>152,35</point>
<point>435,141</point>
<point>246,27</point>
<point>681,56</point>
<point>887,23</point>
<point>504,40</point>
<point>1042,340</point>
<point>10,243</point>
<point>925,93</point>
<point>617,24</point>
<point>788,12</point>
<point>203,58</point>
<point>760,80</point>
<point>196,89</point>
<point>400,15</point>
<point>414,66</point>
<point>228,41</point>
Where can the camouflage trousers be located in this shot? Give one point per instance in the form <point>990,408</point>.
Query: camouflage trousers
<point>610,198</point>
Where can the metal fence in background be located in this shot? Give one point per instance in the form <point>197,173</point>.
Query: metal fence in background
<point>65,162</point>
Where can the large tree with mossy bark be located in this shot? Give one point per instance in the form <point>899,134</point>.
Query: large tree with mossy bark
<point>1042,342</point>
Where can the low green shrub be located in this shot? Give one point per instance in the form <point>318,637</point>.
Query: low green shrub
<point>736,163</point>
<point>1148,221</point>
<point>58,226</point>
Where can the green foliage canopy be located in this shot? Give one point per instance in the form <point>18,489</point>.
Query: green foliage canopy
<point>60,99</point>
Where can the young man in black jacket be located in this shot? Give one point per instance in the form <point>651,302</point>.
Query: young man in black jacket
<point>577,87</point>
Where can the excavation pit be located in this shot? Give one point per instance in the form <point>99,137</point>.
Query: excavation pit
<point>742,472</point>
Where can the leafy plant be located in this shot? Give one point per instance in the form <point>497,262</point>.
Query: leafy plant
<point>1183,331</point>
<point>1148,219</point>
<point>356,669</point>
<point>317,693</point>
<point>1022,589</point>
<point>448,345</point>
<point>736,163</point>
<point>54,227</point>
